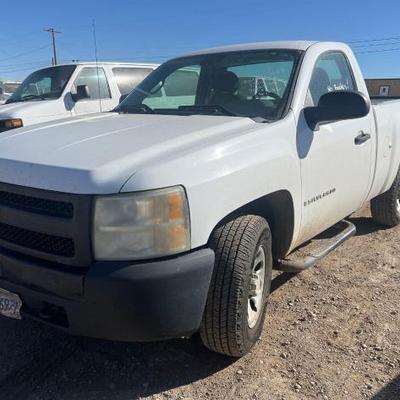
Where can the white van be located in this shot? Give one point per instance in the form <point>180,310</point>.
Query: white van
<point>64,91</point>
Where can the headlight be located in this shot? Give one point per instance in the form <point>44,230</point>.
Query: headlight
<point>12,123</point>
<point>141,225</point>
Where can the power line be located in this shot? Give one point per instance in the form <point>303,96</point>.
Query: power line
<point>53,37</point>
<point>15,70</point>
<point>23,63</point>
<point>25,53</point>
<point>374,40</point>
<point>366,46</point>
<point>377,51</point>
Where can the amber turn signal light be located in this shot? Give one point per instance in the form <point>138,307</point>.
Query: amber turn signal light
<point>13,123</point>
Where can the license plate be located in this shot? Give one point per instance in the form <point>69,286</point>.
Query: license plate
<point>10,304</point>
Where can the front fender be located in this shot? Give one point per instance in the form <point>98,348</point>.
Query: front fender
<point>223,176</point>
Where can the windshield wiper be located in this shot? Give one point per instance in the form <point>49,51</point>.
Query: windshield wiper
<point>26,98</point>
<point>212,109</point>
<point>134,109</point>
<point>261,120</point>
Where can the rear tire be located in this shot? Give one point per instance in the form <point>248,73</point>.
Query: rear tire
<point>235,311</point>
<point>385,208</point>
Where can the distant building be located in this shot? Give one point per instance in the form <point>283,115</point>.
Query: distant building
<point>7,88</point>
<point>383,87</point>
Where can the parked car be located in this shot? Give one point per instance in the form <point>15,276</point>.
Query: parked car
<point>156,222</point>
<point>65,91</point>
<point>7,88</point>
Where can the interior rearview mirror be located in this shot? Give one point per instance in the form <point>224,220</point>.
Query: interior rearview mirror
<point>337,106</point>
<point>82,92</point>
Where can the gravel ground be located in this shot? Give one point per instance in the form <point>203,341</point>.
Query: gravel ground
<point>332,332</point>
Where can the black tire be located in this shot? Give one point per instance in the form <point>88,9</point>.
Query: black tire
<point>225,327</point>
<point>385,208</point>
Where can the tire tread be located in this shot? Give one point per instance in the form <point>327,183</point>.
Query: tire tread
<point>232,243</point>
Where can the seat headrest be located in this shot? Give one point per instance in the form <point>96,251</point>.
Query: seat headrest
<point>225,81</point>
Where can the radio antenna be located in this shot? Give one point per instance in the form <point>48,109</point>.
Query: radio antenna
<point>97,62</point>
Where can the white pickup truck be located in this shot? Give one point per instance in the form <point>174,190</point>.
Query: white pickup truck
<point>160,220</point>
<point>64,91</point>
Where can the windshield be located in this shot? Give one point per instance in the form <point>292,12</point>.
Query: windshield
<point>253,84</point>
<point>44,84</point>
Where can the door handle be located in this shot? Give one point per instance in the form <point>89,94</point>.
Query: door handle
<point>362,138</point>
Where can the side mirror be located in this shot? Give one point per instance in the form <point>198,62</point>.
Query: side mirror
<point>337,106</point>
<point>122,98</point>
<point>82,92</point>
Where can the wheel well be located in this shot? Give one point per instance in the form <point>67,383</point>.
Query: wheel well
<point>277,208</point>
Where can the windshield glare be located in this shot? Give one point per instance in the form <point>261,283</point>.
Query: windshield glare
<point>47,83</point>
<point>243,83</point>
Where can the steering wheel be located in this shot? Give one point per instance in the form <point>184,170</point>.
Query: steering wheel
<point>260,93</point>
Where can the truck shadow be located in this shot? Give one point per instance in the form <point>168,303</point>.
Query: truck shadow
<point>390,392</point>
<point>366,225</point>
<point>46,364</point>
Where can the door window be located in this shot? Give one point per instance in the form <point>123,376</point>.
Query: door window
<point>96,81</point>
<point>331,73</point>
<point>129,78</point>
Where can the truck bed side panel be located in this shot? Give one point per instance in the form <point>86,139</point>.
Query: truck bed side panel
<point>387,125</point>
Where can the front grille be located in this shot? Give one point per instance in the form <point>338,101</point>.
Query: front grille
<point>50,244</point>
<point>48,225</point>
<point>53,208</point>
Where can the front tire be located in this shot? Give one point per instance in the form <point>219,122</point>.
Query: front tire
<point>385,208</point>
<point>235,311</point>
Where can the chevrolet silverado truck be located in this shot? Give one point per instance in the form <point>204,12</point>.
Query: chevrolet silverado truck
<point>162,219</point>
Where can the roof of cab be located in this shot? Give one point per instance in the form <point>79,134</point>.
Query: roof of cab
<point>123,64</point>
<point>290,45</point>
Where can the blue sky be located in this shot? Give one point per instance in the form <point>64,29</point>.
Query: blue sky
<point>157,30</point>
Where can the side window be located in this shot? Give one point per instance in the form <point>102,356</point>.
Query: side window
<point>95,79</point>
<point>129,78</point>
<point>331,72</point>
<point>178,89</point>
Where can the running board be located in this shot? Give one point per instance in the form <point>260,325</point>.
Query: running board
<point>308,255</point>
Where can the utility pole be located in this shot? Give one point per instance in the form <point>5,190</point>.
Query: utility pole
<point>53,37</point>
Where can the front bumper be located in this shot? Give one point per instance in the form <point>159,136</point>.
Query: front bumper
<point>146,301</point>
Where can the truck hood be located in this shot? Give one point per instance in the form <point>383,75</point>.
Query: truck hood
<point>26,109</point>
<point>97,154</point>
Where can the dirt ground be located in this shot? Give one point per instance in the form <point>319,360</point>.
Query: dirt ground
<point>333,332</point>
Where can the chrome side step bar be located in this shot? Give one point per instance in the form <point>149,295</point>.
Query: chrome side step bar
<point>307,256</point>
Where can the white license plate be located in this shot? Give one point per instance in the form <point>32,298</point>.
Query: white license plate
<point>10,304</point>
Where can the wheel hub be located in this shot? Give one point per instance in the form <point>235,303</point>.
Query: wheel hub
<point>257,281</point>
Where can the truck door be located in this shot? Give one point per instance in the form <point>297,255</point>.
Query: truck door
<point>335,163</point>
<point>99,95</point>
